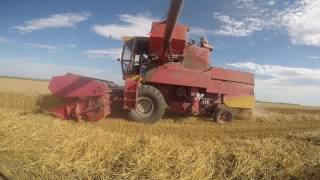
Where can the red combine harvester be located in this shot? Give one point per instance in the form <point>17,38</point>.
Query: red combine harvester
<point>161,72</point>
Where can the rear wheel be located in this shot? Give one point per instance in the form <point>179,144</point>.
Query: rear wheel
<point>224,115</point>
<point>150,105</point>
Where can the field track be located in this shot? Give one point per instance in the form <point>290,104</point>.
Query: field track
<point>280,141</point>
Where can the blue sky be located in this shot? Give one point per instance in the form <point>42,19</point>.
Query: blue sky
<point>277,40</point>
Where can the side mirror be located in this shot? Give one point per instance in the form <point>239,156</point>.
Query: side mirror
<point>118,59</point>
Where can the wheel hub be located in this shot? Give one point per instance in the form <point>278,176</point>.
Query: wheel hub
<point>144,106</point>
<point>225,117</point>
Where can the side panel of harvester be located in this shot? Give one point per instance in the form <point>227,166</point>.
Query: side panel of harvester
<point>231,84</point>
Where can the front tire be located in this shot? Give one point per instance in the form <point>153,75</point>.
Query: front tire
<point>150,105</point>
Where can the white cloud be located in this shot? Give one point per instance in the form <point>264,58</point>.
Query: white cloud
<point>231,27</point>
<point>200,31</point>
<point>20,67</point>
<point>284,84</point>
<point>249,5</point>
<point>238,28</point>
<point>299,18</point>
<point>271,90</point>
<point>302,22</point>
<point>53,21</point>
<point>131,25</point>
<point>251,16</point>
<point>271,2</point>
<point>278,71</point>
<point>104,53</point>
<point>4,40</point>
<point>71,45</point>
<point>43,46</point>
<point>313,57</point>
<point>50,47</point>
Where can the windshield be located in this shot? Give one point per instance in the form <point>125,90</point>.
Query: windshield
<point>126,59</point>
<point>127,52</point>
<point>132,52</point>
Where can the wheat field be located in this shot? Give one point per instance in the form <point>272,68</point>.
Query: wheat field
<point>279,141</point>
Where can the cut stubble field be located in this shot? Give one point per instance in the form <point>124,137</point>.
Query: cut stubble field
<point>280,141</point>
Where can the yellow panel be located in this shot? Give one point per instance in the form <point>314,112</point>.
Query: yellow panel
<point>127,38</point>
<point>240,102</point>
<point>135,78</point>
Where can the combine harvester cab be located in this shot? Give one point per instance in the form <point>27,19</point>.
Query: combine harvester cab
<point>86,98</point>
